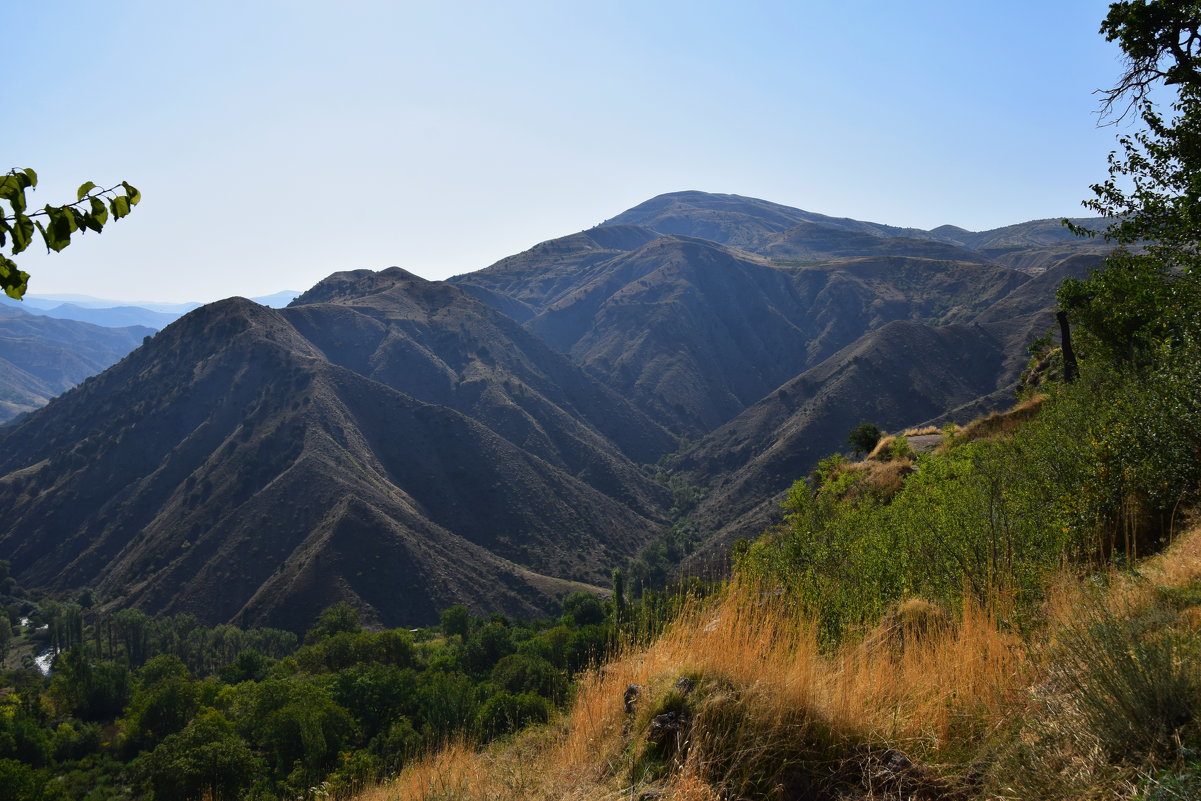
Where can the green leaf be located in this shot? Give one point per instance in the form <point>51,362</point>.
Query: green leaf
<point>16,196</point>
<point>58,233</point>
<point>83,190</point>
<point>119,206</point>
<point>99,212</point>
<point>48,235</point>
<point>53,235</point>
<point>135,196</point>
<point>22,231</point>
<point>32,176</point>
<point>64,215</point>
<point>12,280</point>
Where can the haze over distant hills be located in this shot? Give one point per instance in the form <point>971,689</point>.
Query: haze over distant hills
<point>405,444</point>
<point>41,357</point>
<point>119,313</point>
<point>48,344</point>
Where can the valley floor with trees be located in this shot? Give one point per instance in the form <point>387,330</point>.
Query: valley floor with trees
<point>165,708</point>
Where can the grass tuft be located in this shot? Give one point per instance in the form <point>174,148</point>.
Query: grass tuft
<point>1001,424</point>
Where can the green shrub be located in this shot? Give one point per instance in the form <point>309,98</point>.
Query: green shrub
<point>1134,682</point>
<point>864,437</point>
<point>518,673</point>
<point>506,712</point>
<point>206,760</point>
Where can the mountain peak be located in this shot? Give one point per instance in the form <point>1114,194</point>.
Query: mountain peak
<point>349,284</point>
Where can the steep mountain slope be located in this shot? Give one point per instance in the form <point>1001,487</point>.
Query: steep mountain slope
<point>407,444</point>
<point>230,469</point>
<point>41,357</point>
<point>812,242</point>
<point>897,376</point>
<point>1038,294</point>
<point>1020,236</point>
<point>695,332</point>
<point>436,343</point>
<point>760,227</point>
<point>534,279</point>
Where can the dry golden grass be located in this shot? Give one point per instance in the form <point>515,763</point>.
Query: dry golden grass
<point>921,432</point>
<point>772,714</point>
<point>1093,649</point>
<point>766,697</point>
<point>1000,424</point>
<point>882,451</point>
<point>1178,567</point>
<point>885,479</point>
<point>879,477</point>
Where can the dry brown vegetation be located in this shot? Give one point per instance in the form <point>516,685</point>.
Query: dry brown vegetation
<point>737,700</point>
<point>767,711</point>
<point>921,432</point>
<point>882,479</point>
<point>882,472</point>
<point>882,450</point>
<point>1000,424</point>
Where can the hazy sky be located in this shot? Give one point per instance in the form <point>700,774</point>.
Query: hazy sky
<point>277,142</point>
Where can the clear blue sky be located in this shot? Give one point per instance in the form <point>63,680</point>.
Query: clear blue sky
<point>277,142</point>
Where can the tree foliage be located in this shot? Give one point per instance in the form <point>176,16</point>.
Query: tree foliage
<point>864,437</point>
<point>1145,305</point>
<point>92,210</point>
<point>1154,186</point>
<point>141,707</point>
<point>1160,42</point>
<point>207,760</point>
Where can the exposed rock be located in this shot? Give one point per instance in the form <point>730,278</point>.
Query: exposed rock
<point>631,695</point>
<point>670,726</point>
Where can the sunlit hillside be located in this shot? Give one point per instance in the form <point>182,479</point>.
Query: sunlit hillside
<point>737,700</point>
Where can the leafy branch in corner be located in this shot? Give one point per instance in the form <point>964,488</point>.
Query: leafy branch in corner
<point>92,210</point>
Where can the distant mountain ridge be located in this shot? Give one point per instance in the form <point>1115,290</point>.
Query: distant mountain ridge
<point>41,357</point>
<point>750,223</point>
<point>118,314</point>
<point>405,444</point>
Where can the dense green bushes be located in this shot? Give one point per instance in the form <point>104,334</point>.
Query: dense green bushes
<point>1101,472</point>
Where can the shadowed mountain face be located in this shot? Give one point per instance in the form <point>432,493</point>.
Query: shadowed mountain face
<point>405,444</point>
<point>695,332</point>
<point>436,343</point>
<point>233,469</point>
<point>526,284</point>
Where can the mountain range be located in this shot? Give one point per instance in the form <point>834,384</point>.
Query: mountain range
<point>41,357</point>
<point>116,313</point>
<point>404,444</point>
<point>48,344</point>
